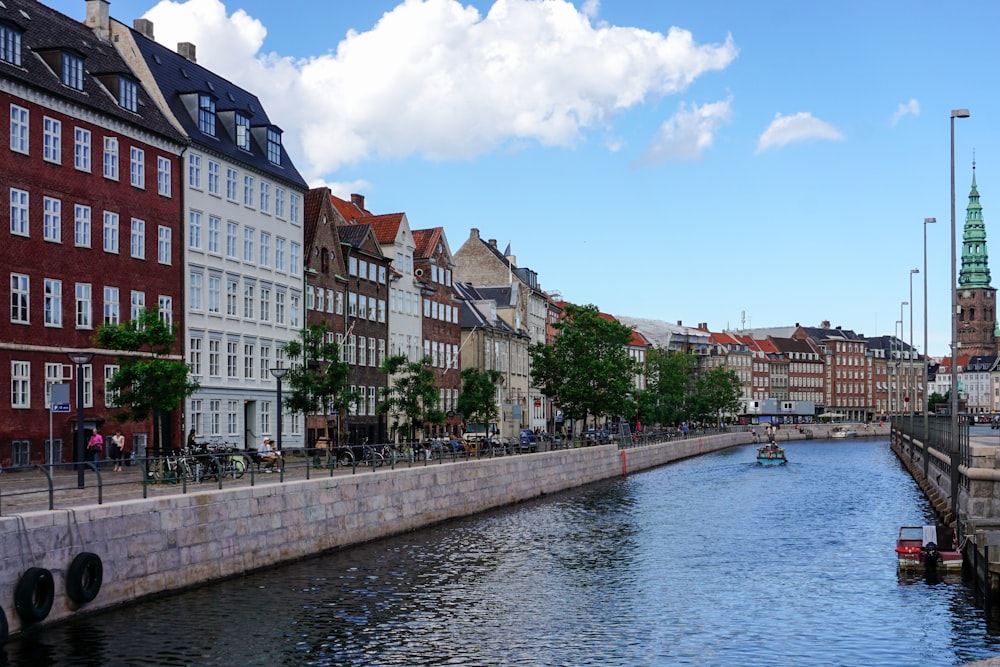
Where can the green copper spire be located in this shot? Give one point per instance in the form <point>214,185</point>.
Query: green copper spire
<point>975,264</point>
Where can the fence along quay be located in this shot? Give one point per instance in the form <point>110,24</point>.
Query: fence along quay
<point>960,475</point>
<point>83,556</point>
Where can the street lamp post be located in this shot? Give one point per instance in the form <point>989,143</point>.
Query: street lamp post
<point>279,373</point>
<point>79,453</point>
<point>899,363</point>
<point>955,113</point>
<point>910,385</point>
<point>924,404</point>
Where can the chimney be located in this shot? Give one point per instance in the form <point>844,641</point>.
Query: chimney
<point>474,233</point>
<point>493,243</point>
<point>186,50</point>
<point>98,19</point>
<point>144,27</point>
<point>358,200</point>
<point>680,323</point>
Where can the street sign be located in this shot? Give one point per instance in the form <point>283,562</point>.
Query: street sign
<point>59,398</point>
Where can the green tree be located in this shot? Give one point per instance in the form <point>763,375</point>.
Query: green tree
<point>150,380</point>
<point>717,391</point>
<point>477,402</point>
<point>318,379</point>
<point>588,369</point>
<point>412,394</point>
<point>670,383</point>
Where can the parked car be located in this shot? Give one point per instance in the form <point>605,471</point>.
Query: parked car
<point>478,433</point>
<point>600,436</point>
<point>527,440</point>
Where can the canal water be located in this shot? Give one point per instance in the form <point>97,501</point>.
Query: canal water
<point>709,561</point>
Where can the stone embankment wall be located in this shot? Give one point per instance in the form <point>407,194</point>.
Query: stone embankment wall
<point>153,546</point>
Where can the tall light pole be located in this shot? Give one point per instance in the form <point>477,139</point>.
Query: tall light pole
<point>899,363</point>
<point>923,405</point>
<point>909,369</point>
<point>955,113</point>
<point>79,452</point>
<point>279,373</point>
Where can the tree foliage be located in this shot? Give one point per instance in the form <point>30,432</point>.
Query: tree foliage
<point>669,385</point>
<point>477,402</point>
<point>717,392</point>
<point>317,379</point>
<point>588,369</point>
<point>412,394</point>
<point>148,381</point>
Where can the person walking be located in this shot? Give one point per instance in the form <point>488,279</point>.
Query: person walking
<point>117,450</point>
<point>95,446</point>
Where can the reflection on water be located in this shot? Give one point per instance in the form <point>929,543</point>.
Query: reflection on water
<point>710,561</point>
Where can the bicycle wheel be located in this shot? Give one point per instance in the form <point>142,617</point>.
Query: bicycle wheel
<point>345,458</point>
<point>154,470</point>
<point>238,466</point>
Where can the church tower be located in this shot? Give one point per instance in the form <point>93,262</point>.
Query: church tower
<point>977,315</point>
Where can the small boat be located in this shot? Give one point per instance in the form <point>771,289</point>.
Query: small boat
<point>771,455</point>
<point>844,432</point>
<point>928,548</point>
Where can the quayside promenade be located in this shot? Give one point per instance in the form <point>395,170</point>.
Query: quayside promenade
<point>177,537</point>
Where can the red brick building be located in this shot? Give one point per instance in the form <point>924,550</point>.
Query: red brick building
<point>91,176</point>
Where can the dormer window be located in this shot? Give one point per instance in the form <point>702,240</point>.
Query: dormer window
<point>206,115</point>
<point>273,146</point>
<point>128,94</point>
<point>242,131</point>
<point>72,70</point>
<point>10,45</point>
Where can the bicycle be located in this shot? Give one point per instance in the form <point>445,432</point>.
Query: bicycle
<point>172,468</point>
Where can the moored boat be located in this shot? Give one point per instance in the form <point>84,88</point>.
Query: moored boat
<point>927,547</point>
<point>844,432</point>
<point>771,455</point>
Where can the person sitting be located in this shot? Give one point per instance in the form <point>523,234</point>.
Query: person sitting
<point>269,456</point>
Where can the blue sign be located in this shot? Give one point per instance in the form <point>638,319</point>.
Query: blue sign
<point>59,397</point>
<point>60,407</point>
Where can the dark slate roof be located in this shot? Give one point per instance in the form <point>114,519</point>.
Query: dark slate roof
<point>176,76</point>
<point>980,363</point>
<point>46,31</point>
<point>505,296</point>
<point>354,235</point>
<point>471,317</point>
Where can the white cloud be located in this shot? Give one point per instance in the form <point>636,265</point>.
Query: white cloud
<point>911,108</point>
<point>437,79</point>
<point>802,126</point>
<point>590,8</point>
<point>690,131</point>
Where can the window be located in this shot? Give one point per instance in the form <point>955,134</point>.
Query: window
<point>213,234</point>
<point>18,212</point>
<point>265,362</point>
<point>231,179</point>
<point>137,169</point>
<point>248,363</point>
<point>279,203</point>
<point>18,129</point>
<point>138,304</point>
<point>248,190</point>
<point>52,219</point>
<point>242,132</point>
<point>273,146</point>
<point>294,268</point>
<point>110,232</point>
<point>248,301</point>
<point>294,205</point>
<point>164,244</point>
<point>279,253</point>
<point>231,359</point>
<point>213,177</point>
<point>111,158</point>
<point>84,306</point>
<point>265,249</point>
<point>265,197</point>
<point>128,94</point>
<point>81,226</point>
<point>72,70</point>
<point>231,240</point>
<point>81,149</point>
<point>231,295</point>
<point>232,417</point>
<point>214,293</point>
<point>53,375</point>
<point>112,308</point>
<point>20,384</point>
<point>194,230</point>
<point>206,115</point>
<point>163,176</point>
<point>53,302</point>
<point>293,311</point>
<point>138,244</point>
<point>248,234</point>
<point>214,350</point>
<point>194,355</point>
<point>279,307</point>
<point>265,304</point>
<point>19,298</point>
<point>10,45</point>
<point>110,396</point>
<point>194,171</point>
<point>166,309</point>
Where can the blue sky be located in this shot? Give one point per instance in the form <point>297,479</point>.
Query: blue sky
<point>734,163</point>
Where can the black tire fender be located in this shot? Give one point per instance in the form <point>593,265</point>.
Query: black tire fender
<point>34,594</point>
<point>84,577</point>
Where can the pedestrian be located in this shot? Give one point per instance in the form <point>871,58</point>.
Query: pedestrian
<point>95,446</point>
<point>117,450</point>
<point>191,443</point>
